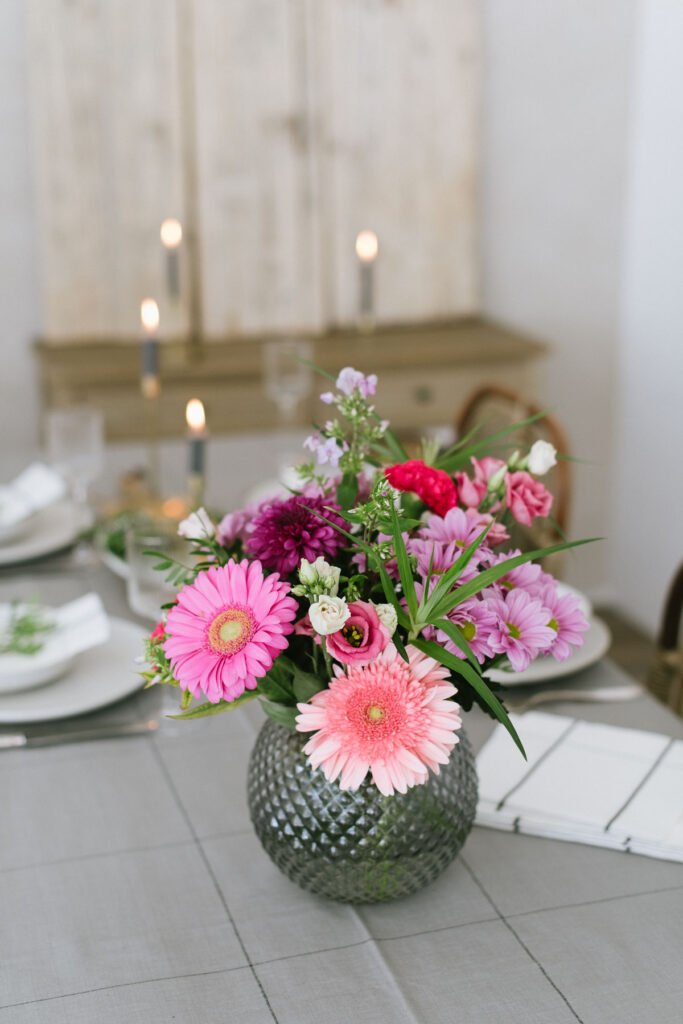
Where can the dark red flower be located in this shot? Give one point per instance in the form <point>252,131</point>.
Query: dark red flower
<point>434,486</point>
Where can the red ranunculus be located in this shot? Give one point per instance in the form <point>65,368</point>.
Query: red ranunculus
<point>434,486</point>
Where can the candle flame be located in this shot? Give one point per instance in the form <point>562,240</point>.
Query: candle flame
<point>149,314</point>
<point>194,415</point>
<point>367,246</point>
<point>171,233</point>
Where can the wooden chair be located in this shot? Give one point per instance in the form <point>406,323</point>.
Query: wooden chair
<point>665,679</point>
<point>493,408</point>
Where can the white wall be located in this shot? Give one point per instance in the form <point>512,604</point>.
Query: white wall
<point>647,506</point>
<point>19,313</point>
<point>555,137</point>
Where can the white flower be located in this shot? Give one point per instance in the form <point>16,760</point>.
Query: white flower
<point>386,614</point>
<point>320,571</point>
<point>197,526</point>
<point>542,457</point>
<point>328,615</point>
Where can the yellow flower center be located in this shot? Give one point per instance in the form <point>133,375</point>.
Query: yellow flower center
<point>469,631</point>
<point>375,713</point>
<point>514,630</point>
<point>230,631</point>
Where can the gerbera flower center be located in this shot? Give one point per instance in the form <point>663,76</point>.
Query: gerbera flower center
<point>231,630</point>
<point>375,713</point>
<point>514,631</point>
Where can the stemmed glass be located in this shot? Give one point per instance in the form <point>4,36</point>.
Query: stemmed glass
<point>287,381</point>
<point>75,447</point>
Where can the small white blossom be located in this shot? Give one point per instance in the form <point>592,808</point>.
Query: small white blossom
<point>328,615</point>
<point>542,457</point>
<point>386,614</point>
<point>320,571</point>
<point>197,526</point>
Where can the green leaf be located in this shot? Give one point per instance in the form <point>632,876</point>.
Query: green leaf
<point>475,680</point>
<point>404,568</point>
<point>451,575</point>
<point>280,714</point>
<point>306,685</point>
<point>400,646</point>
<point>202,710</point>
<point>489,576</point>
<point>347,490</point>
<point>454,460</point>
<point>394,445</point>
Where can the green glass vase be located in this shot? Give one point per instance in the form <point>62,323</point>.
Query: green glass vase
<point>356,847</point>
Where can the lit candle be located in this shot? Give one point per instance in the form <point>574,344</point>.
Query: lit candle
<point>171,234</point>
<point>149,381</point>
<point>367,247</point>
<point>196,426</point>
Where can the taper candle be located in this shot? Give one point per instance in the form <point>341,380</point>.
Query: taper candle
<point>367,247</point>
<point>196,426</point>
<point>171,234</point>
<point>149,378</point>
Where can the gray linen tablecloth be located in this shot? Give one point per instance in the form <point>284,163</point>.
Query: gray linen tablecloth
<point>132,890</point>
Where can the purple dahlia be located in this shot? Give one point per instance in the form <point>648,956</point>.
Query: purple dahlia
<point>286,531</point>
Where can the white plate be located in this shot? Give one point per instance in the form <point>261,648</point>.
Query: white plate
<point>99,677</point>
<point>596,643</point>
<point>51,530</point>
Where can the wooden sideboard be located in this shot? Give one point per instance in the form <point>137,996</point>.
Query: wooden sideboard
<point>426,371</point>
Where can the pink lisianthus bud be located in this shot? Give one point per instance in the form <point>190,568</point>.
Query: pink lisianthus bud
<point>362,637</point>
<point>526,498</point>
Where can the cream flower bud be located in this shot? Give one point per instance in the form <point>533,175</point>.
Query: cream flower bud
<point>320,572</point>
<point>197,526</point>
<point>328,615</point>
<point>542,457</point>
<point>386,613</point>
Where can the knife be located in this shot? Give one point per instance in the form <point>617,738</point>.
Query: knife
<point>15,740</point>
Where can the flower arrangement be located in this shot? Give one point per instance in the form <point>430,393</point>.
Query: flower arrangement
<point>365,608</point>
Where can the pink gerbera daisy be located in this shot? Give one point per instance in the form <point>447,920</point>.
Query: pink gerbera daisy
<point>227,628</point>
<point>568,621</point>
<point>388,717</point>
<point>522,631</point>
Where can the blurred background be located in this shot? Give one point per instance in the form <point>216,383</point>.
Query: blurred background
<point>457,195</point>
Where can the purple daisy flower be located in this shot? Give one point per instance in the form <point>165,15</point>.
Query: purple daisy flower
<point>440,557</point>
<point>456,527</point>
<point>522,631</point>
<point>568,621</point>
<point>285,531</point>
<point>527,577</point>
<point>477,623</point>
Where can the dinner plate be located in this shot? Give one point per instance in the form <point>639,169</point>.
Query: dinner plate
<point>50,530</point>
<point>98,677</point>
<point>119,566</point>
<point>596,643</point>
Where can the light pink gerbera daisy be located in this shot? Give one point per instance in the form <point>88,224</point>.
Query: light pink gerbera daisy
<point>388,717</point>
<point>523,630</point>
<point>227,629</point>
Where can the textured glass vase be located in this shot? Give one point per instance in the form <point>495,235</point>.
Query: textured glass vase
<point>358,847</point>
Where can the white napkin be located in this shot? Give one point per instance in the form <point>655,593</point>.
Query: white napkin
<point>37,487</point>
<point>79,625</point>
<point>596,784</point>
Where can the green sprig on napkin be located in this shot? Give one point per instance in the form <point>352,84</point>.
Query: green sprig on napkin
<point>26,631</point>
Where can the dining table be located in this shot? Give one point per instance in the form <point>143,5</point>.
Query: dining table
<point>133,889</point>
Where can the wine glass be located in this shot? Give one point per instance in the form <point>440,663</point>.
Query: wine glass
<point>286,378</point>
<point>75,447</point>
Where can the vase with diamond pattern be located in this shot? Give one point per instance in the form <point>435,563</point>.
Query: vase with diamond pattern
<point>356,847</point>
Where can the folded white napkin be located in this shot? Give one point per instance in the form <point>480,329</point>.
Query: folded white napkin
<point>596,784</point>
<point>37,487</point>
<point>79,625</point>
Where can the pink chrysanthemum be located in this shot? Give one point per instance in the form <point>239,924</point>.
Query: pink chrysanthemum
<point>568,621</point>
<point>528,576</point>
<point>456,527</point>
<point>522,631</point>
<point>285,531</point>
<point>439,557</point>
<point>390,718</point>
<point>477,622</point>
<point>227,629</point>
